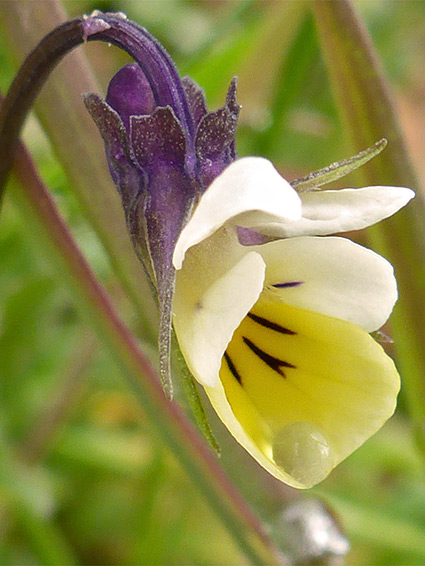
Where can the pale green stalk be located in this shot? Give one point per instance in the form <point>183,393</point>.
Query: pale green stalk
<point>78,146</point>
<point>368,114</point>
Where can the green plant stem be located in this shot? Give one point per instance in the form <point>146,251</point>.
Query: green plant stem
<point>368,114</point>
<point>75,140</point>
<point>167,418</point>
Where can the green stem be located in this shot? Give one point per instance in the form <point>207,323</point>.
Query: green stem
<point>369,114</point>
<point>166,417</point>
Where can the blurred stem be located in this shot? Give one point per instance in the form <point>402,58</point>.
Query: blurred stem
<point>167,418</point>
<point>60,403</point>
<point>368,113</point>
<point>77,143</point>
<point>297,58</point>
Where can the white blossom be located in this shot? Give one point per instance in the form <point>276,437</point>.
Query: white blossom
<point>278,332</point>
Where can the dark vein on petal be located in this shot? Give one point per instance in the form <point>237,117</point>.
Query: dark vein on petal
<point>287,285</point>
<point>274,363</point>
<point>270,324</point>
<point>232,368</point>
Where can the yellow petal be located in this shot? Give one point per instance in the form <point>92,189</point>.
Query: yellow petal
<point>301,390</point>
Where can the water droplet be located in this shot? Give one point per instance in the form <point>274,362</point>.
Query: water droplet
<point>302,451</point>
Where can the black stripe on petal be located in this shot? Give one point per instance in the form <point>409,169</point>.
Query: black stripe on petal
<point>287,285</point>
<point>270,324</point>
<point>232,368</point>
<point>274,363</point>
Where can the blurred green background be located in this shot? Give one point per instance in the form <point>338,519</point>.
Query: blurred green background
<point>83,478</point>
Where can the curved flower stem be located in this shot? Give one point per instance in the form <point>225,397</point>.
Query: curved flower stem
<point>110,28</point>
<point>79,148</point>
<point>167,418</point>
<point>369,114</point>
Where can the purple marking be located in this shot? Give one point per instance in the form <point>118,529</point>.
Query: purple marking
<point>250,237</point>
<point>288,285</point>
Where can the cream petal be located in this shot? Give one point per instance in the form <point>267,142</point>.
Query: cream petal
<point>332,276</point>
<point>329,212</point>
<point>207,311</point>
<point>338,390</point>
<point>248,184</point>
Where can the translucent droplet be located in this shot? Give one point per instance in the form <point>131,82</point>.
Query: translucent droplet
<point>302,451</point>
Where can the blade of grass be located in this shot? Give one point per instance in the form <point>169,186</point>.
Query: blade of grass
<point>296,63</point>
<point>368,114</point>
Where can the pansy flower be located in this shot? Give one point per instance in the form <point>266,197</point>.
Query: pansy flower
<point>274,322</point>
<point>272,314</point>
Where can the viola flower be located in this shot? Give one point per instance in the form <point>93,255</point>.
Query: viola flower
<point>278,332</point>
<point>272,318</point>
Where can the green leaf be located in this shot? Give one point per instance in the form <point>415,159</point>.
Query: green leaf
<point>338,169</point>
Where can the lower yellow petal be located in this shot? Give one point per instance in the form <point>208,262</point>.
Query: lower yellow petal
<point>306,389</point>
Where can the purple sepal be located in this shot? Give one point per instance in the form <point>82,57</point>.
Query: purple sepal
<point>196,97</point>
<point>215,139</point>
<point>125,173</point>
<point>147,163</point>
<point>163,149</point>
<point>159,146</point>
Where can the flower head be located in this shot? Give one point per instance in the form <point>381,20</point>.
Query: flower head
<point>272,318</point>
<point>275,322</point>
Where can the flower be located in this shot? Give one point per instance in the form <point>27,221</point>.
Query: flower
<point>273,319</point>
<point>275,322</point>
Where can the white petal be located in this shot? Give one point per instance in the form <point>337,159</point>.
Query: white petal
<point>248,184</point>
<point>205,318</point>
<point>337,277</point>
<point>329,212</point>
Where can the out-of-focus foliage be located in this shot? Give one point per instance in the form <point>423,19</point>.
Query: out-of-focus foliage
<point>82,477</point>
